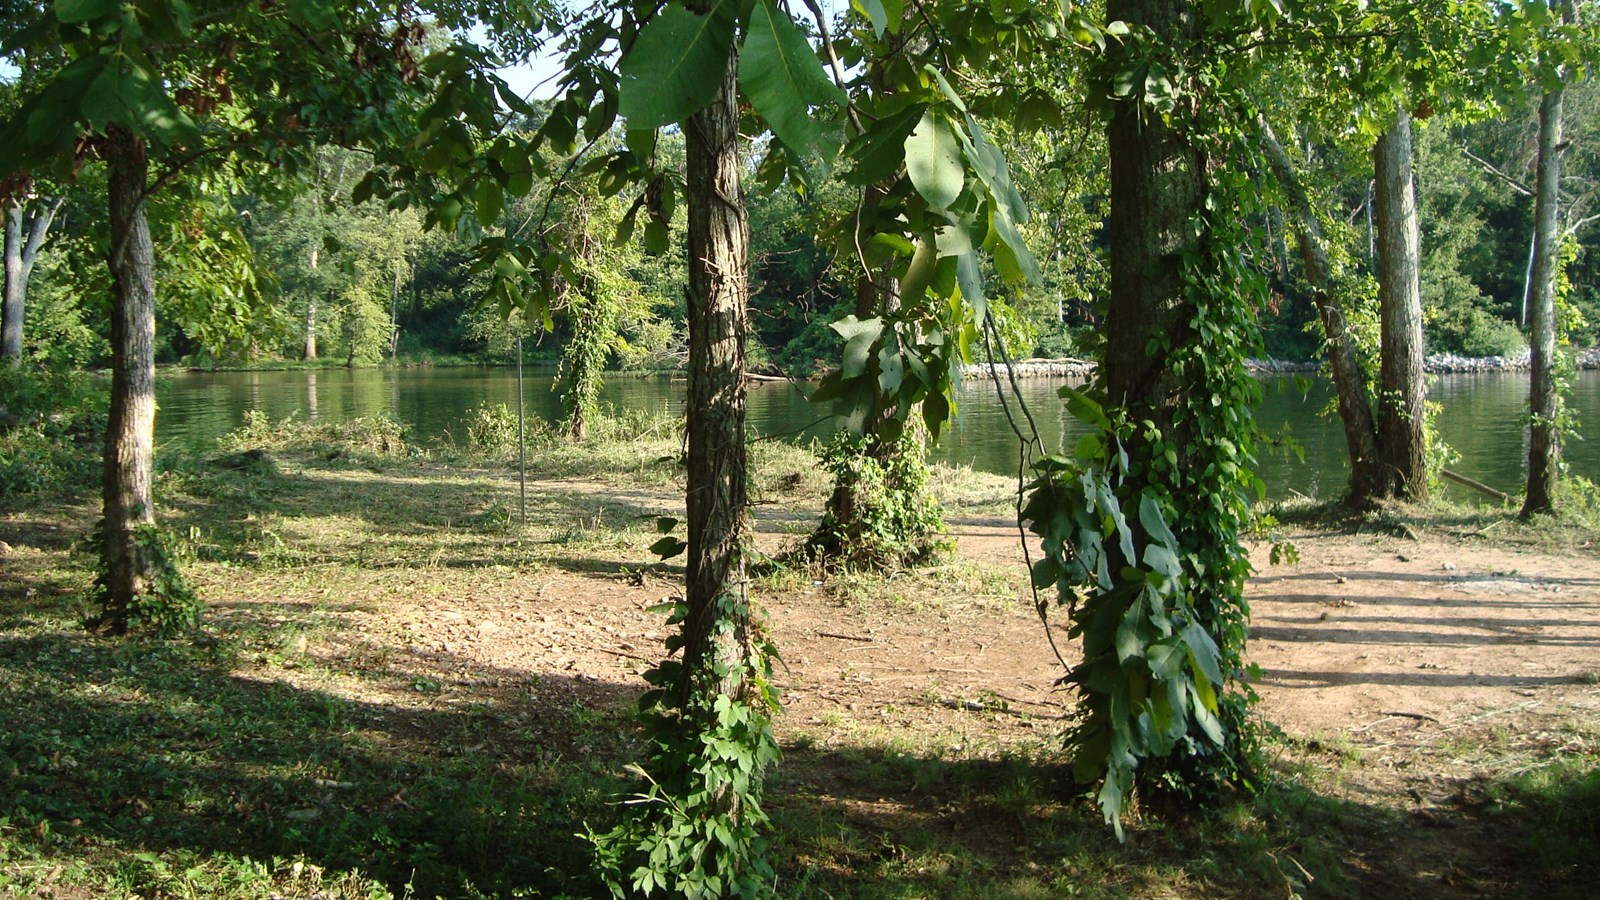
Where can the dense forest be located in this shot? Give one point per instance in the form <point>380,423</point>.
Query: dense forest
<point>884,198</point>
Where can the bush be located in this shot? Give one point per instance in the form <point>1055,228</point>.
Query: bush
<point>52,431</point>
<point>378,436</point>
<point>1473,332</point>
<point>881,514</point>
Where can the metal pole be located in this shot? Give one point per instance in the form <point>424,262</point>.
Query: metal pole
<point>522,445</point>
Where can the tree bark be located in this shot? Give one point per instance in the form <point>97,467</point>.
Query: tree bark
<point>24,236</point>
<point>1349,381</point>
<point>1157,180</point>
<point>309,350</point>
<point>1544,444</point>
<point>1401,444</point>
<point>130,432</point>
<point>716,630</point>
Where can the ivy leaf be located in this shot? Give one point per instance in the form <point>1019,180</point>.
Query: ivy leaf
<point>933,160</point>
<point>676,65</point>
<point>1084,409</point>
<point>858,345</point>
<point>1203,651</point>
<point>1167,658</point>
<point>668,547</point>
<point>784,79</point>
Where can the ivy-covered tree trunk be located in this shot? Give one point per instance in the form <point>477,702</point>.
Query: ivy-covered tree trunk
<point>880,513</point>
<point>716,630</point>
<point>1367,479</point>
<point>1544,444</point>
<point>1401,412</point>
<point>583,360</point>
<point>25,231</point>
<point>128,566</point>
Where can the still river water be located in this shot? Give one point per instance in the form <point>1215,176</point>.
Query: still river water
<point>1480,420</point>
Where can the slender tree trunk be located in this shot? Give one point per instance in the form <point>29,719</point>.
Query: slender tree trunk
<point>1544,445</point>
<point>130,432</point>
<point>1349,381</point>
<point>309,352</point>
<point>25,234</point>
<point>1401,445</point>
<point>716,631</point>
<point>11,311</point>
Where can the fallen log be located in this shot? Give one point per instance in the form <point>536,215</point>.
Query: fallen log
<point>1463,480</point>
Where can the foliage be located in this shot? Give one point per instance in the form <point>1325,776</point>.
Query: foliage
<point>492,430</point>
<point>52,424</point>
<point>695,830</point>
<point>891,519</point>
<point>166,608</point>
<point>378,436</point>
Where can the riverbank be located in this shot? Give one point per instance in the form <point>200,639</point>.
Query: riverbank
<point>403,689</point>
<point>1437,364</point>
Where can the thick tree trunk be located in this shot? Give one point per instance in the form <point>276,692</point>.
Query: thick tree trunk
<point>716,631</point>
<point>130,433</point>
<point>1157,180</point>
<point>1401,444</point>
<point>1349,381</point>
<point>24,235</point>
<point>1544,445</point>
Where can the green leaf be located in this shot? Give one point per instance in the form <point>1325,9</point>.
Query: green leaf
<point>676,65</point>
<point>1154,523</point>
<point>1167,658</point>
<point>657,238</point>
<point>884,15</point>
<point>1203,651</point>
<point>933,160</point>
<point>970,277</point>
<point>668,547</point>
<point>72,12</point>
<point>879,152</point>
<point>784,79</point>
<point>1084,409</point>
<point>665,524</point>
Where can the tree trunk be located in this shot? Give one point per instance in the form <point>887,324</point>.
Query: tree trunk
<point>1544,445</point>
<point>24,235</point>
<point>11,311</point>
<point>127,568</point>
<point>716,630</point>
<point>1157,179</point>
<point>309,352</point>
<point>1401,444</point>
<point>1349,381</point>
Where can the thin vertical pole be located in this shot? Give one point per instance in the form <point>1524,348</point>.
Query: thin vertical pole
<point>522,445</point>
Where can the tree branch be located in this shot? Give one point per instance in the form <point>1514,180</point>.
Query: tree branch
<point>1489,167</point>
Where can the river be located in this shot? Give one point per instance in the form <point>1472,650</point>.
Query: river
<point>1480,419</point>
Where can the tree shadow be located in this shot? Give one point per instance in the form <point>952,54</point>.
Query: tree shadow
<point>135,747</point>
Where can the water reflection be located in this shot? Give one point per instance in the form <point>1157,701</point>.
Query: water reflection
<point>1482,415</point>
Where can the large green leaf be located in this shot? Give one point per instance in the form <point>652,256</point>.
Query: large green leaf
<point>126,95</point>
<point>676,65</point>
<point>933,160</point>
<point>878,153</point>
<point>72,12</point>
<point>784,79</point>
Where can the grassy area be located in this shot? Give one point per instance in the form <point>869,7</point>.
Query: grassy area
<point>321,739</point>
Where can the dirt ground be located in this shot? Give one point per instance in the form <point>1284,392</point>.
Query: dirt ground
<point>1415,667</point>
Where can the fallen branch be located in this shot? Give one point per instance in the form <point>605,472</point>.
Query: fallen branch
<point>1460,479</point>
<point>845,637</point>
